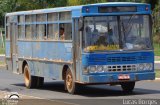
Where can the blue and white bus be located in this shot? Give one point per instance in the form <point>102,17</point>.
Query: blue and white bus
<point>104,43</point>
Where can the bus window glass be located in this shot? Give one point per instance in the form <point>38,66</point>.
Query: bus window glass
<point>68,31</point>
<point>34,35</point>
<point>53,31</point>
<point>65,16</point>
<point>136,33</point>
<point>41,31</point>
<point>52,16</point>
<point>101,32</point>
<point>28,31</point>
<point>20,19</point>
<point>28,18</point>
<point>65,31</point>
<point>41,17</point>
<point>20,31</point>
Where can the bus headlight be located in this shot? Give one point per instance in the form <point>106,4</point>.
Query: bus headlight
<point>105,68</point>
<point>85,70</point>
<point>141,67</point>
<point>100,69</point>
<point>148,66</point>
<point>92,69</point>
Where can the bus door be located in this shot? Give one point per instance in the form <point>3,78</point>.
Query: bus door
<point>13,44</point>
<point>77,49</point>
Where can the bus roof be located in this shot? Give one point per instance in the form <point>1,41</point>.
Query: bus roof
<point>72,8</point>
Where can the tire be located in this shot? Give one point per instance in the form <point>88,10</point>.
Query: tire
<point>128,86</point>
<point>69,81</point>
<point>40,82</point>
<point>30,81</point>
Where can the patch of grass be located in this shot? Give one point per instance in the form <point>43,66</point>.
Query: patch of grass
<point>2,63</point>
<point>157,73</point>
<point>2,50</point>
<point>156,49</point>
<point>157,58</point>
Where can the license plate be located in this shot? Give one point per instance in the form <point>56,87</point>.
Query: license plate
<point>123,77</point>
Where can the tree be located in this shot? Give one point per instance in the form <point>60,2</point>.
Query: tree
<point>6,6</point>
<point>92,1</point>
<point>74,2</point>
<point>21,5</point>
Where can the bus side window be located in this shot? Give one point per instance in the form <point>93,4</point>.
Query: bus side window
<point>63,16</point>
<point>52,30</point>
<point>21,26</point>
<point>28,31</point>
<point>41,31</point>
<point>20,31</point>
<point>67,28</point>
<point>41,18</point>
<point>43,34</point>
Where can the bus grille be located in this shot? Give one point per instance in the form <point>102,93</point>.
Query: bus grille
<point>121,68</point>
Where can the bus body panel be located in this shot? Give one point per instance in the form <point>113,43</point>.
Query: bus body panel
<point>49,63</point>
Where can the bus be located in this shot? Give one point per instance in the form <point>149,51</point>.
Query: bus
<point>103,43</point>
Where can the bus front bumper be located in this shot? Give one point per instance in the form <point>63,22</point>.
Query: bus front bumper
<point>114,78</point>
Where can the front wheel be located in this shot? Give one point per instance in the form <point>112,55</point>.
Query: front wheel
<point>128,86</point>
<point>70,84</point>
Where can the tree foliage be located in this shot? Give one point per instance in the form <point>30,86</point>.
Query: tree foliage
<point>21,5</point>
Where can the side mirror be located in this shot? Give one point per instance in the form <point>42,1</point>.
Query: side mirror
<point>81,24</point>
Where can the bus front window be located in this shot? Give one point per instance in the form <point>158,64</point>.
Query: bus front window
<point>113,33</point>
<point>136,32</point>
<point>100,33</point>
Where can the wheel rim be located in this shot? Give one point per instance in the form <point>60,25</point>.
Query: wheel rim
<point>69,81</point>
<point>26,77</point>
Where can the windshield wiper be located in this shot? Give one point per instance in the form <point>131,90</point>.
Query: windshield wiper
<point>127,28</point>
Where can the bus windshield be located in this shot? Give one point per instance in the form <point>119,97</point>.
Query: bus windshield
<point>113,33</point>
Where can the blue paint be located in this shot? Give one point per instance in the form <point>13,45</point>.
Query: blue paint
<point>93,9</point>
<point>111,78</point>
<point>117,58</point>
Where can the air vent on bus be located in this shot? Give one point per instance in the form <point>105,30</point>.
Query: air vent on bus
<point>120,59</point>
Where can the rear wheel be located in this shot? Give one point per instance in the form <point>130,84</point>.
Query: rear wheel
<point>40,82</point>
<point>70,84</point>
<point>30,81</point>
<point>128,86</point>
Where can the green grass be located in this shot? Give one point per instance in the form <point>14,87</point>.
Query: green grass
<point>2,63</point>
<point>157,73</point>
<point>157,58</point>
<point>2,50</point>
<point>156,49</point>
<point>2,42</point>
